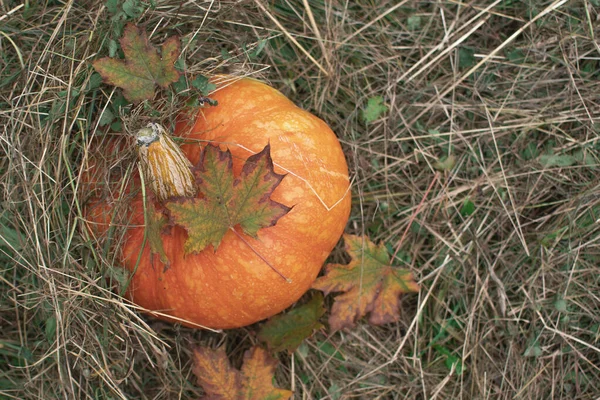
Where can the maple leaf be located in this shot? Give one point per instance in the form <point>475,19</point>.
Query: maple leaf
<point>228,202</point>
<point>221,381</point>
<point>370,284</point>
<point>287,331</point>
<point>143,67</point>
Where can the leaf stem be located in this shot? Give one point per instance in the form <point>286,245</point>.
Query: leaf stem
<point>288,280</point>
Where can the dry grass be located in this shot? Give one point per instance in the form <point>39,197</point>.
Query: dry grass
<point>488,154</point>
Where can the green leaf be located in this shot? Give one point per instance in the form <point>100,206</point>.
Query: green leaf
<point>142,68</point>
<point>9,384</point>
<point>118,24</point>
<point>203,85</point>
<point>180,85</point>
<point>94,82</point>
<point>120,103</point>
<point>121,277</point>
<point>180,64</point>
<point>112,6</point>
<point>227,202</point>
<point>9,236</point>
<point>303,350</point>
<point>50,329</point>
<point>116,126</point>
<point>12,350</point>
<point>335,391</point>
<point>260,46</point>
<point>445,163</point>
<point>375,108</point>
<point>557,160</point>
<point>452,361</point>
<point>515,56</point>
<point>560,305</point>
<point>468,208</point>
<point>413,23</point>
<point>530,152</point>
<point>287,331</point>
<point>132,8</point>
<point>113,48</point>
<point>331,351</point>
<point>466,57</point>
<point>106,118</point>
<point>534,350</point>
<point>225,55</point>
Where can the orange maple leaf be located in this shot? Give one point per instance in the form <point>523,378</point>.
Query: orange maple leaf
<point>370,284</point>
<point>222,382</point>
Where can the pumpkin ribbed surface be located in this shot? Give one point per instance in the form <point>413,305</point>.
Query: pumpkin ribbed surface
<point>233,287</point>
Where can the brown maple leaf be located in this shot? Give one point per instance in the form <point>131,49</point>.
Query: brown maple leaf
<point>370,284</point>
<point>221,381</point>
<point>142,68</point>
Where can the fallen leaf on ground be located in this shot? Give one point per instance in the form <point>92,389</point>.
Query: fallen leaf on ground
<point>223,382</point>
<point>287,331</point>
<point>142,68</point>
<point>370,284</point>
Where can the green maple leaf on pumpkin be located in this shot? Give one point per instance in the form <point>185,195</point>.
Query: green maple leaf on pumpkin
<point>287,331</point>
<point>227,202</point>
<point>142,68</point>
<point>370,284</point>
<point>253,382</point>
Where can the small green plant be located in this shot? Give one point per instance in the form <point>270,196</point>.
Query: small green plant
<point>374,110</point>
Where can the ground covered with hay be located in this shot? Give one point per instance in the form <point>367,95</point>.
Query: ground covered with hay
<point>472,132</point>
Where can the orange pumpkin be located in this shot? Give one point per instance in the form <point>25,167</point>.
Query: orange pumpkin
<point>233,287</point>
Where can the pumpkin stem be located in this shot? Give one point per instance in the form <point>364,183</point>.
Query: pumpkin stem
<point>163,164</point>
<point>288,280</point>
